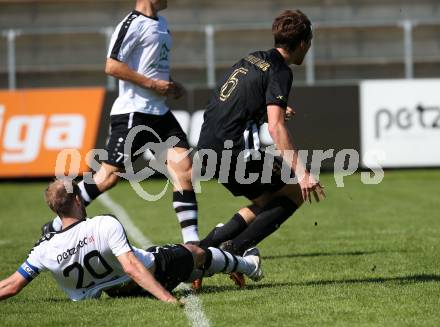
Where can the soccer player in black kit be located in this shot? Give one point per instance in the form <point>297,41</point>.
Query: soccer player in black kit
<point>256,90</point>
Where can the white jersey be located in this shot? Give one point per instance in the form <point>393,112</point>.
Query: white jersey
<point>144,44</point>
<point>83,257</point>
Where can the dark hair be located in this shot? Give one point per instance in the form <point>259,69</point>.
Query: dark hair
<point>60,196</point>
<point>290,28</point>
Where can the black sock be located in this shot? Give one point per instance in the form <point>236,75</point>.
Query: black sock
<point>89,192</point>
<point>226,232</point>
<point>268,221</point>
<point>208,258</point>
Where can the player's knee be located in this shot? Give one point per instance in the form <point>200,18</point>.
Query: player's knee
<point>110,181</point>
<point>293,193</point>
<point>287,204</point>
<point>256,208</point>
<point>183,178</point>
<point>249,213</point>
<point>198,254</point>
<point>281,209</point>
<point>187,173</point>
<point>185,169</point>
<point>182,170</point>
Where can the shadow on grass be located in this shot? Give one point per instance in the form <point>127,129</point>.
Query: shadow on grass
<point>321,254</point>
<point>422,278</point>
<point>48,300</point>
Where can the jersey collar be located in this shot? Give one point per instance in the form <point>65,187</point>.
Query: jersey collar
<point>70,226</point>
<point>279,56</point>
<point>151,17</point>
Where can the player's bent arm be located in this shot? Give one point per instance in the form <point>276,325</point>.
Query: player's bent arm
<point>142,276</point>
<point>120,70</point>
<point>281,137</point>
<point>12,285</point>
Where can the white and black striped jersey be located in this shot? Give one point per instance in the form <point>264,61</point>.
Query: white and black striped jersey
<point>144,44</point>
<point>83,257</point>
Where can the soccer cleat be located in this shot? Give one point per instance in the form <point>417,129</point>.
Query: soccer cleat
<point>253,255</point>
<point>238,279</point>
<point>197,284</point>
<point>47,228</point>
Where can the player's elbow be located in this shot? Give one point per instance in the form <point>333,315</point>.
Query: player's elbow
<point>14,290</point>
<point>110,67</point>
<point>131,271</point>
<point>10,291</point>
<point>128,269</point>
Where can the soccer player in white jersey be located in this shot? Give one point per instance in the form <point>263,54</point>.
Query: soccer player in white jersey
<point>89,256</point>
<point>139,56</point>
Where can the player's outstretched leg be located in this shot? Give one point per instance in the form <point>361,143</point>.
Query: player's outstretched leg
<point>236,277</point>
<point>224,232</point>
<point>219,261</point>
<point>219,234</point>
<point>267,222</point>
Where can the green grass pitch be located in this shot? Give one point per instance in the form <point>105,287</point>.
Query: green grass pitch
<point>372,258</point>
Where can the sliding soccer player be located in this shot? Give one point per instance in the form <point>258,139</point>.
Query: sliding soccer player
<point>91,256</point>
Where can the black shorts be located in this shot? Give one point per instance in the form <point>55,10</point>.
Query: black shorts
<point>174,264</point>
<point>272,164</point>
<point>164,126</point>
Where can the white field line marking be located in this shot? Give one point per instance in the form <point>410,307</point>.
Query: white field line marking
<point>4,242</point>
<point>193,308</point>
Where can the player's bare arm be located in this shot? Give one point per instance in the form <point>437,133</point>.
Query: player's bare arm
<point>121,70</point>
<point>137,271</point>
<point>12,285</point>
<point>280,135</point>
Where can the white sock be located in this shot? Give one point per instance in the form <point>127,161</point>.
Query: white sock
<point>57,224</point>
<point>223,261</point>
<point>185,205</point>
<point>190,234</point>
<point>84,194</point>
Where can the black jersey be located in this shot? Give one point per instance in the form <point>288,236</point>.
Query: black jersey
<point>239,104</point>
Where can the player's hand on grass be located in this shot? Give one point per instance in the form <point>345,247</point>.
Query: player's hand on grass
<point>310,186</point>
<point>163,87</point>
<point>290,112</point>
<point>180,303</point>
